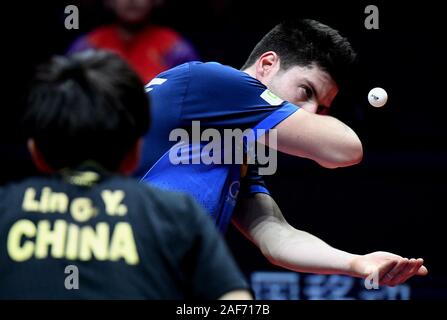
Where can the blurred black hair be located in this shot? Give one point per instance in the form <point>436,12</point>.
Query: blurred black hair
<point>90,106</point>
<point>306,42</point>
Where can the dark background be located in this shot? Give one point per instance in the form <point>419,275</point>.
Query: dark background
<point>393,201</point>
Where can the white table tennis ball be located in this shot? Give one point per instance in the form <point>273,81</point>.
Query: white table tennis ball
<point>377,97</point>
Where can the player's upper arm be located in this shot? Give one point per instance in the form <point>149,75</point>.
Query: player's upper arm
<point>324,139</point>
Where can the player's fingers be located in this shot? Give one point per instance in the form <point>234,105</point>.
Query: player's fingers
<point>389,277</point>
<point>384,269</point>
<point>416,269</point>
<point>397,272</point>
<point>423,271</point>
<point>407,272</point>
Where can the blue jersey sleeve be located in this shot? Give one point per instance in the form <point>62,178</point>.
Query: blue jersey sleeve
<point>252,182</point>
<point>223,97</point>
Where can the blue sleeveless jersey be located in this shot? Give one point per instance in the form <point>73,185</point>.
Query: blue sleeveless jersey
<point>220,97</point>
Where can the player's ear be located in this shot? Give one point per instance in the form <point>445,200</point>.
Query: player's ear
<point>132,159</point>
<point>37,157</point>
<point>267,65</point>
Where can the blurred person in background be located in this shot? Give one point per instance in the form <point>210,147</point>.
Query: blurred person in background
<point>148,48</point>
<point>85,121</point>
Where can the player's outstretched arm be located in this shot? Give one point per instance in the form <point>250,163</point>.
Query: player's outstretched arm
<point>323,139</point>
<point>261,220</point>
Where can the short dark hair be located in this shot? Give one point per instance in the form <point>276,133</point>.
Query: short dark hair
<point>89,106</point>
<point>305,42</point>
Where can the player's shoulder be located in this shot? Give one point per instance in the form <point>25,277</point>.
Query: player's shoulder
<point>207,71</point>
<point>209,68</point>
<point>16,185</point>
<point>182,70</point>
<point>224,76</point>
<point>215,68</point>
<point>11,193</point>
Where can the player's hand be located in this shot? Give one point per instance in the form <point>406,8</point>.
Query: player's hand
<point>392,269</point>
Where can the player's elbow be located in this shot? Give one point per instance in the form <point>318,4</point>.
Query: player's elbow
<point>350,154</point>
<point>274,244</point>
<point>357,153</point>
<point>271,255</point>
<point>277,256</point>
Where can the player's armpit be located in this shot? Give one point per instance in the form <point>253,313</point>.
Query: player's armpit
<point>323,139</point>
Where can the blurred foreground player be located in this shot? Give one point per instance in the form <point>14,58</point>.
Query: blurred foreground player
<point>288,83</point>
<point>85,120</point>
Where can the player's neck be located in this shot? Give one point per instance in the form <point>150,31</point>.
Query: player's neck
<point>250,71</point>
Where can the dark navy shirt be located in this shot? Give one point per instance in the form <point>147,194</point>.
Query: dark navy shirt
<point>122,239</point>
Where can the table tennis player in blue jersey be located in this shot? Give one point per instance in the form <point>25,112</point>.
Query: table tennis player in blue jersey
<point>288,84</point>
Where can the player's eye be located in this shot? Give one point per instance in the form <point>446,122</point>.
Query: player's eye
<point>309,92</point>
<point>305,93</point>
